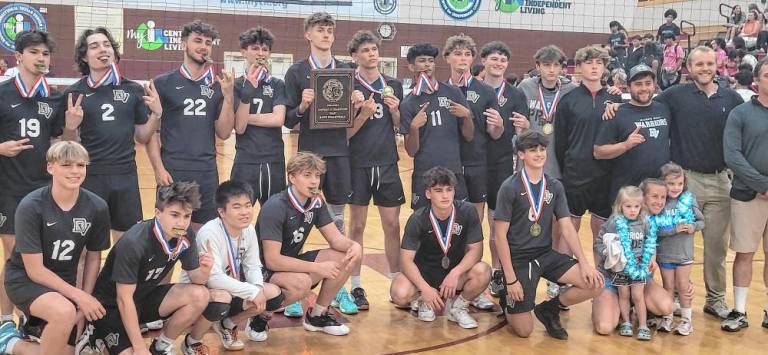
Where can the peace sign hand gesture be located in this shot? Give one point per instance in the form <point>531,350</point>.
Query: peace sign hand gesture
<point>74,115</point>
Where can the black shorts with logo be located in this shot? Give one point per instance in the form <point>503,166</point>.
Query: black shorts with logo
<point>266,179</point>
<point>22,292</point>
<point>476,180</point>
<point>337,180</point>
<point>121,192</point>
<point>419,197</point>
<point>594,196</point>
<point>209,182</point>
<point>550,265</point>
<point>380,182</point>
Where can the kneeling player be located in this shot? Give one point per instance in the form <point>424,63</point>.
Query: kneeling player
<point>129,285</point>
<point>440,254</point>
<point>236,284</point>
<point>53,225</point>
<point>283,226</point>
<point>527,203</point>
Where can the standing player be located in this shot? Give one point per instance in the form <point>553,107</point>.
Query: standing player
<point>129,285</point>
<point>330,144</point>
<point>373,155</point>
<point>236,283</point>
<point>283,225</point>
<point>109,113</point>
<point>441,254</point>
<point>259,156</point>
<point>26,128</point>
<point>579,115</point>
<point>198,107</point>
<point>529,203</point>
<point>434,118</point>
<point>513,110</point>
<point>53,226</point>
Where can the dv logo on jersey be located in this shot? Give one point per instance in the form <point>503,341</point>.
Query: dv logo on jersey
<point>268,91</point>
<point>3,218</point>
<point>472,96</point>
<point>44,109</point>
<point>457,229</point>
<point>121,95</point>
<point>442,101</point>
<point>206,91</point>
<point>81,226</point>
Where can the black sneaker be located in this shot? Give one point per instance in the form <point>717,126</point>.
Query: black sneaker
<point>324,323</point>
<point>765,319</point>
<point>360,300</point>
<point>497,284</point>
<point>31,328</point>
<point>153,350</point>
<point>548,313</point>
<point>734,322</point>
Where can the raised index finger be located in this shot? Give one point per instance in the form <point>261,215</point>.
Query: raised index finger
<point>69,100</point>
<point>79,100</point>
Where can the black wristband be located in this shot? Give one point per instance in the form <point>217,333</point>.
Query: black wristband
<point>513,282</point>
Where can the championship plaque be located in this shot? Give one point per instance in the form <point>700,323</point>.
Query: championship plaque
<point>333,98</point>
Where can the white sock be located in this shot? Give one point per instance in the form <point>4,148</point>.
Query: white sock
<point>392,275</point>
<point>228,323</point>
<point>163,342</point>
<point>318,310</point>
<point>460,302</point>
<point>740,299</point>
<point>685,313</point>
<point>10,345</point>
<point>355,280</point>
<point>6,317</point>
<point>190,340</point>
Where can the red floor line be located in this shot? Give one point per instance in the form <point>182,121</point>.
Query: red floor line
<point>488,331</point>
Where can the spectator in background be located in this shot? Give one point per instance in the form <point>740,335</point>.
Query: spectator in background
<point>746,57</point>
<point>615,62</point>
<point>478,71</point>
<point>668,27</point>
<point>735,21</point>
<point>619,79</point>
<point>744,80</point>
<point>673,62</point>
<point>733,62</point>
<point>635,51</point>
<point>718,44</point>
<point>751,29</point>
<point>512,79</point>
<point>618,40</point>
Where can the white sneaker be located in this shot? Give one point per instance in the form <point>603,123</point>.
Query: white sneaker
<point>459,313</point>
<point>482,302</point>
<point>229,337</point>
<point>685,327</point>
<point>665,325</point>
<point>426,313</point>
<point>154,325</point>
<point>415,305</point>
<point>258,329</point>
<point>553,289</point>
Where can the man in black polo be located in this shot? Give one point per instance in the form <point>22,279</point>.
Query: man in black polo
<point>636,141</point>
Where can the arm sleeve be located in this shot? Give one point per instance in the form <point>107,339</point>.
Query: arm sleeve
<point>406,116</point>
<point>734,154</point>
<point>699,225</point>
<point>280,97</point>
<point>562,116</point>
<point>608,133</point>
<point>269,224</point>
<point>141,109</point>
<point>293,92</point>
<point>474,228</point>
<point>252,266</point>
<point>561,202</point>
<point>125,269</point>
<point>322,216</point>
<point>28,227</point>
<point>412,234</point>
<point>99,237</point>
<point>190,258</point>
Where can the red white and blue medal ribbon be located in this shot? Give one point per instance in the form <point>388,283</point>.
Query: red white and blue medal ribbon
<point>315,64</point>
<point>548,108</point>
<point>260,75</point>
<point>536,202</point>
<point>424,85</point>
<point>500,90</point>
<point>181,245</point>
<point>316,202</point>
<point>464,81</point>
<point>207,77</point>
<point>370,86</point>
<point>443,238</point>
<point>234,265</point>
<point>40,87</point>
<point>112,76</point>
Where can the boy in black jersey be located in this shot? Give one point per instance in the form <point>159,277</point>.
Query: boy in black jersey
<point>441,254</point>
<point>129,285</point>
<point>435,118</point>
<point>53,226</point>
<point>513,109</point>
<point>260,102</point>
<point>283,225</point>
<point>197,107</point>
<point>27,124</point>
<point>528,203</point>
<point>373,155</point>
<point>106,112</point>
<point>579,116</point>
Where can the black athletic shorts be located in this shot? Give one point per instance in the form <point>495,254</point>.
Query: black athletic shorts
<point>266,179</point>
<point>337,180</point>
<point>110,328</point>
<point>22,292</point>
<point>307,256</point>
<point>497,174</point>
<point>121,192</point>
<point>419,198</point>
<point>209,182</point>
<point>476,180</point>
<point>550,265</point>
<point>381,182</point>
<point>593,196</point>
<point>433,274</point>
<point>8,206</point>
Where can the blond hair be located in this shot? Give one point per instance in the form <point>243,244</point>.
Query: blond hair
<point>459,41</point>
<point>63,152</point>
<point>626,193</point>
<point>305,161</point>
<point>591,52</point>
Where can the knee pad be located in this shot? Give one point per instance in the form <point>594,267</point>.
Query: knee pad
<point>275,302</point>
<point>216,311</point>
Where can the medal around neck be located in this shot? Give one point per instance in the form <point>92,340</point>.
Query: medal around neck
<point>388,91</point>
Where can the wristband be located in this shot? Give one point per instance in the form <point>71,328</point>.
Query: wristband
<point>513,282</point>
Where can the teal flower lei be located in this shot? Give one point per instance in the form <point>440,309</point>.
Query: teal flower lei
<point>635,271</point>
<point>684,213</point>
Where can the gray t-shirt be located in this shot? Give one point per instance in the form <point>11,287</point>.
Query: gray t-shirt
<point>677,248</point>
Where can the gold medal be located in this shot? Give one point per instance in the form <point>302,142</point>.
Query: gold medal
<point>387,91</point>
<point>535,229</point>
<point>548,128</point>
<point>445,263</point>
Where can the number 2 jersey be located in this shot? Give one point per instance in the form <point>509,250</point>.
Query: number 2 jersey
<point>33,119</point>
<point>42,227</point>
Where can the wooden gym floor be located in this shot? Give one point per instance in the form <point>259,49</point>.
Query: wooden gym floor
<point>386,330</point>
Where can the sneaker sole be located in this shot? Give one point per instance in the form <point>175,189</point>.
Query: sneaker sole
<point>427,319</point>
<point>259,339</point>
<point>538,315</point>
<point>312,328</point>
<point>293,315</point>
<point>228,348</point>
<point>363,307</point>
<point>734,330</point>
<point>677,332</point>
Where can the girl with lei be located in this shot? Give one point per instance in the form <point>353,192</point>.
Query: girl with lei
<point>678,221</point>
<point>637,236</point>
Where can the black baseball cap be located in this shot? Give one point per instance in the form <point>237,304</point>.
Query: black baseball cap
<point>639,70</point>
